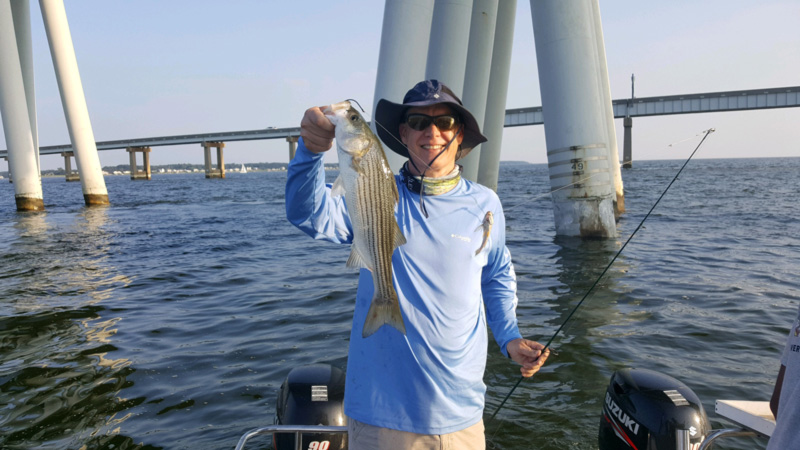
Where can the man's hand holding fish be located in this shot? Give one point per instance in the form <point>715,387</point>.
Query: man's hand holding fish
<point>316,130</point>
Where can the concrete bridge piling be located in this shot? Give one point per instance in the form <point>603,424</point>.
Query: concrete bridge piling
<point>573,82</point>
<point>69,174</point>
<point>292,140</point>
<point>145,173</point>
<point>74,102</point>
<point>627,145</point>
<point>211,172</point>
<point>22,160</point>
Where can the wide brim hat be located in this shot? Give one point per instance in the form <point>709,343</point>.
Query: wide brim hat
<point>390,115</point>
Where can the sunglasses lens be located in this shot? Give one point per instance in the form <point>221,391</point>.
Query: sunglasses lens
<point>445,123</point>
<point>420,122</point>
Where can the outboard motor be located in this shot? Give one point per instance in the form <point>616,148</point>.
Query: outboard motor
<point>312,395</point>
<point>647,410</point>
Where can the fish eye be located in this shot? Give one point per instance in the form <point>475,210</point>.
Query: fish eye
<point>354,117</point>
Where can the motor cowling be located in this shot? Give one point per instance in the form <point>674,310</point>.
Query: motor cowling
<point>647,410</point>
<point>312,395</point>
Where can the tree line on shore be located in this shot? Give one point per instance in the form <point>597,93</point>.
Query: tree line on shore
<point>182,167</point>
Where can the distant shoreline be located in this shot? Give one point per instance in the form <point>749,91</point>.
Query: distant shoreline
<point>124,169</point>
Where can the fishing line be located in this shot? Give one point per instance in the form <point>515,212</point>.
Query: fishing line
<point>549,193</point>
<point>547,346</point>
<point>420,160</point>
<point>359,104</point>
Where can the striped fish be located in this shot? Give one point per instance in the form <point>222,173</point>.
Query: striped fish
<point>370,192</point>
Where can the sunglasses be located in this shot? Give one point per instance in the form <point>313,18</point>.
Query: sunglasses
<point>421,122</point>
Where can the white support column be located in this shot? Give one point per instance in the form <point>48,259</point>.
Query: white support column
<point>74,102</point>
<point>493,123</point>
<point>574,115</point>
<point>22,162</point>
<point>447,53</point>
<point>605,88</point>
<point>478,71</point>
<point>21,11</point>
<point>401,63</point>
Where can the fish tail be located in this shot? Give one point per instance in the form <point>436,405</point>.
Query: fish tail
<point>383,311</point>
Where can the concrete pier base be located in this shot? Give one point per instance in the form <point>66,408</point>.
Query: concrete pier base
<point>583,196</point>
<point>96,199</point>
<point>29,203</point>
<point>589,218</point>
<point>627,146</point>
<point>292,140</point>
<point>145,173</point>
<point>211,172</point>
<point>69,174</point>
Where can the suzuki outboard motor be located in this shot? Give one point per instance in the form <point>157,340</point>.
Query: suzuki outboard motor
<point>312,395</point>
<point>647,410</point>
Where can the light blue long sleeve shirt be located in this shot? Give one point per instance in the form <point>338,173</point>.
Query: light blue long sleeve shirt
<point>429,381</point>
<point>787,433</point>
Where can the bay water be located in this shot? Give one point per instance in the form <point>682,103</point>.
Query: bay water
<point>170,318</point>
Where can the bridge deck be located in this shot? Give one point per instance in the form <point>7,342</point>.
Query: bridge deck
<point>785,97</point>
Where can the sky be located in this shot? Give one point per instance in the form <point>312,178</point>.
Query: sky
<point>158,68</point>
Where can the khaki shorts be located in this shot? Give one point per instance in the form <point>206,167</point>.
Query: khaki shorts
<point>362,436</point>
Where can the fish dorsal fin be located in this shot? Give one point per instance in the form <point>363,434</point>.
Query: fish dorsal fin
<point>355,261</point>
<point>399,239</point>
<point>394,190</point>
<point>338,187</point>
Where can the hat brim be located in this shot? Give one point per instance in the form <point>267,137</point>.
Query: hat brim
<point>390,115</point>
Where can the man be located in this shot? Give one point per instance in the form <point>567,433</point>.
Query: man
<point>423,389</point>
<point>785,401</point>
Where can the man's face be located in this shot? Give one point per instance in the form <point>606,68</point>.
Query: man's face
<point>424,145</point>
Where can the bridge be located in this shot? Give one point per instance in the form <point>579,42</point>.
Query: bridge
<point>627,109</point>
<point>785,97</point>
<point>753,99</point>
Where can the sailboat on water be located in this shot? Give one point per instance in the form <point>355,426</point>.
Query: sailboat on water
<point>243,169</point>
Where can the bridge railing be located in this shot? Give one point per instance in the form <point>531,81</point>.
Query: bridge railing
<point>753,99</point>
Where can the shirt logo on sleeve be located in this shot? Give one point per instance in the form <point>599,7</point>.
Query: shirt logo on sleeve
<point>458,236</point>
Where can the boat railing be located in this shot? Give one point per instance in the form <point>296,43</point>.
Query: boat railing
<point>708,442</point>
<point>752,419</point>
<point>298,431</point>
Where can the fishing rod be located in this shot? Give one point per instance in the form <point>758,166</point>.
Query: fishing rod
<point>582,180</point>
<point>585,296</point>
<point>597,281</point>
